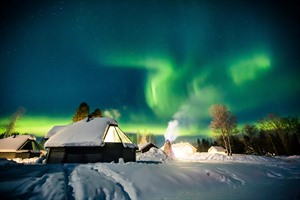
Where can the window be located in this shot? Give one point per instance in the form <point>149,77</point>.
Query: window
<point>35,146</point>
<point>115,134</point>
<point>112,135</point>
<point>27,146</point>
<point>30,145</point>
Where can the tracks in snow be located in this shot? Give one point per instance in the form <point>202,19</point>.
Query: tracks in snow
<point>128,189</point>
<point>97,181</point>
<point>225,176</point>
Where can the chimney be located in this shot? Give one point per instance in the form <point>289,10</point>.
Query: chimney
<point>168,149</point>
<point>89,117</point>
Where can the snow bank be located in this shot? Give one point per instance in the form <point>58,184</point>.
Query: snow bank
<point>216,157</point>
<point>211,176</point>
<point>34,160</point>
<point>153,155</point>
<point>5,162</point>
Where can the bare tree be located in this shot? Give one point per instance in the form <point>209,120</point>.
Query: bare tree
<point>268,125</point>
<point>283,133</point>
<point>224,124</point>
<point>251,139</point>
<point>151,138</point>
<point>145,137</point>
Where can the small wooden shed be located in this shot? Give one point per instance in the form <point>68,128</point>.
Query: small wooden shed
<point>217,149</point>
<point>184,147</point>
<point>146,147</point>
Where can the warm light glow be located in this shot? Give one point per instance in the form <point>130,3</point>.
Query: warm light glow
<point>183,150</point>
<point>114,134</point>
<point>178,153</point>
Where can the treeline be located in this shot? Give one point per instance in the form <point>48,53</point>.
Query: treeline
<point>145,137</point>
<point>273,135</point>
<point>204,144</point>
<point>83,111</point>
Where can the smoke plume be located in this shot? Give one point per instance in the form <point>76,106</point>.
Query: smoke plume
<point>12,123</point>
<point>172,130</point>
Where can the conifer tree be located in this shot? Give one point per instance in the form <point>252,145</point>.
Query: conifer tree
<point>97,113</point>
<point>82,112</point>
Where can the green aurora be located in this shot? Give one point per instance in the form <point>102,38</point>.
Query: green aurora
<point>153,62</point>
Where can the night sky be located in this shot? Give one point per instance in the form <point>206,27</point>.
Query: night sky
<point>151,61</point>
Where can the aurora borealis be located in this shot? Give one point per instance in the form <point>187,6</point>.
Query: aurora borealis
<point>150,60</point>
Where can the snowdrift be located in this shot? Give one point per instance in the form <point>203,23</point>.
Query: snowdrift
<point>155,176</point>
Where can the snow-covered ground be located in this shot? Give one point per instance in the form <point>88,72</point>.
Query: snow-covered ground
<point>155,176</point>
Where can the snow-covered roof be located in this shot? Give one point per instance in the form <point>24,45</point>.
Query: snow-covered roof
<point>216,148</point>
<point>181,149</point>
<point>183,145</point>
<point>54,130</point>
<point>14,142</point>
<point>82,133</point>
<point>144,145</point>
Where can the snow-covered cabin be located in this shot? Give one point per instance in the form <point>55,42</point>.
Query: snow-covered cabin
<point>20,146</point>
<point>217,149</point>
<point>89,140</point>
<point>182,149</point>
<point>185,147</point>
<point>146,147</point>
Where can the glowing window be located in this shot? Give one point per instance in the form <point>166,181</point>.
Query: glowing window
<point>115,134</point>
